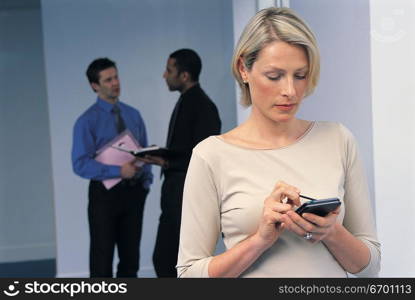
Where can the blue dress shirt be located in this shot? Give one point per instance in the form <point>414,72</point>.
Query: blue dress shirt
<point>94,129</point>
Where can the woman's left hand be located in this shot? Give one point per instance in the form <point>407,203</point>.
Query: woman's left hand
<point>307,223</point>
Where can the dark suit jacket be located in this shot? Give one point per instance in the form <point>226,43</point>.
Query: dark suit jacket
<point>196,118</point>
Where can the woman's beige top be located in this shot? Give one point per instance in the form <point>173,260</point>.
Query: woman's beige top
<point>225,190</point>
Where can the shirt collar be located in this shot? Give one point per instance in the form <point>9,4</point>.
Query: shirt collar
<point>105,105</point>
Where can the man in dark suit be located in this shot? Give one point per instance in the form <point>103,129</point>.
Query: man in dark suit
<point>195,117</point>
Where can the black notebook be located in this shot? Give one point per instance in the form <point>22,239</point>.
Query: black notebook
<point>152,150</point>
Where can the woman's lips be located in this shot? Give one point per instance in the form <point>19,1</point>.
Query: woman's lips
<point>285,107</point>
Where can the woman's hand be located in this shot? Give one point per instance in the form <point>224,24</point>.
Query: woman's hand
<point>272,222</point>
<point>319,227</point>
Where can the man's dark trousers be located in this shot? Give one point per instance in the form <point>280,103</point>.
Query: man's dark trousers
<point>168,234</point>
<point>115,218</point>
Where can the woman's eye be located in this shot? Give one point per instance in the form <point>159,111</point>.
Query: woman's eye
<point>274,77</point>
<point>301,77</point>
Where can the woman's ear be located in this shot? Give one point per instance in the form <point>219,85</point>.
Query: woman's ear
<point>242,70</point>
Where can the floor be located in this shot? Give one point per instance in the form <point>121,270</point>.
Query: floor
<point>36,268</point>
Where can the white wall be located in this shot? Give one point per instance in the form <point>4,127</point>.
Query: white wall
<point>27,230</point>
<point>139,36</point>
<point>393,82</point>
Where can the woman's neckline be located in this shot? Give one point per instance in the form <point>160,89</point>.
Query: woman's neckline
<point>298,140</point>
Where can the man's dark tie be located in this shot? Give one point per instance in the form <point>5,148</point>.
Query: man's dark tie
<point>119,122</point>
<point>120,125</point>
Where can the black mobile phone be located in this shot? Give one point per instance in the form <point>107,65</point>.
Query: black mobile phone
<point>319,207</point>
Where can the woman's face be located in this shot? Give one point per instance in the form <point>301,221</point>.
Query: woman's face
<point>277,81</point>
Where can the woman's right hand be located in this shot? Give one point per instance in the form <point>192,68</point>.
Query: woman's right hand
<point>272,221</point>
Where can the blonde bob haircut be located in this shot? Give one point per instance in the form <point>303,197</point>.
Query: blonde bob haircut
<point>267,26</point>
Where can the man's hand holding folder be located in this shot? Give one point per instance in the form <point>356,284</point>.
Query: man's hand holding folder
<point>129,169</point>
<point>129,164</point>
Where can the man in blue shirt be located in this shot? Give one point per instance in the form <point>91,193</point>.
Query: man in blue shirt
<point>115,215</point>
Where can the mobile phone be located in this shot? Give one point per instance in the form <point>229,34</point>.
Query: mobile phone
<point>319,207</point>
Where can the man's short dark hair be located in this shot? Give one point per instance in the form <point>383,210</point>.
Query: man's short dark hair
<point>187,60</point>
<point>97,66</point>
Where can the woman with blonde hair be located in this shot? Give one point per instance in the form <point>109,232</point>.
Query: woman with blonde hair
<point>245,184</point>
